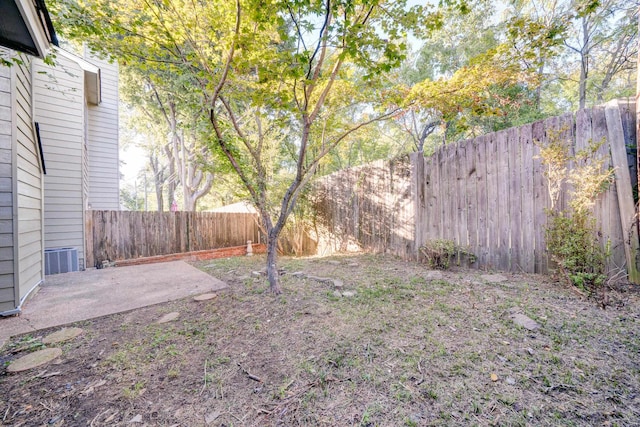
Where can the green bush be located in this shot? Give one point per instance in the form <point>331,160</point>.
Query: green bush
<point>439,253</point>
<point>573,244</point>
<point>571,237</point>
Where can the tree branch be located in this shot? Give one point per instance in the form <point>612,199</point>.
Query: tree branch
<point>238,130</point>
<point>321,42</point>
<point>227,65</point>
<point>230,156</point>
<point>294,189</point>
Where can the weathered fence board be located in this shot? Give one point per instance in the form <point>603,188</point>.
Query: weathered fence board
<point>371,205</point>
<point>472,192</point>
<point>527,200</point>
<point>119,235</point>
<point>504,222</point>
<point>626,220</point>
<point>461,206</point>
<point>540,197</point>
<point>489,194</point>
<point>482,202</point>
<point>514,188</point>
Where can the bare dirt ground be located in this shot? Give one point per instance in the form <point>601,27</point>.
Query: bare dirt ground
<point>393,344</point>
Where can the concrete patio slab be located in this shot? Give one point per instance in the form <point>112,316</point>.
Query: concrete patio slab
<point>72,297</point>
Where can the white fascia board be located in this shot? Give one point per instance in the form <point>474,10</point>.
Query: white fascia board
<point>39,34</point>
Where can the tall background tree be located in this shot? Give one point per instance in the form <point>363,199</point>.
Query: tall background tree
<point>162,107</point>
<point>584,49</point>
<point>496,65</point>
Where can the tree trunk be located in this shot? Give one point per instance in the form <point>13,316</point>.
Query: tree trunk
<point>189,202</point>
<point>272,259</point>
<point>584,64</point>
<point>158,180</point>
<point>159,196</point>
<point>538,92</point>
<point>171,182</point>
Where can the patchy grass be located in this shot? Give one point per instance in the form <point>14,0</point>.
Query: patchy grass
<point>409,347</point>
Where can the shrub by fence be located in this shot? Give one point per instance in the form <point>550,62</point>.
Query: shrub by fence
<point>119,235</point>
<point>488,194</point>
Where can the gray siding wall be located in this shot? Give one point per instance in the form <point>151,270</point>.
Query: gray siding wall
<point>103,159</point>
<point>60,113</point>
<point>8,295</point>
<point>28,180</point>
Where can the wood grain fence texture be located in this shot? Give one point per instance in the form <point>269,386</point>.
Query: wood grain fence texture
<point>120,235</point>
<point>488,194</point>
<point>370,206</point>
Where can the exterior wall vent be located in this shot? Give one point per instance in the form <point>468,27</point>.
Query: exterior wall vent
<point>61,260</point>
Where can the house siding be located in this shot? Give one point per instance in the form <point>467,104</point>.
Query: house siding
<point>28,193</point>
<point>7,291</point>
<point>102,144</point>
<point>60,111</point>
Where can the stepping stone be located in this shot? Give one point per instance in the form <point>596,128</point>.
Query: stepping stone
<point>338,284</point>
<point>169,317</point>
<point>334,262</point>
<point>298,274</point>
<point>522,320</point>
<point>349,294</point>
<point>204,297</point>
<point>62,335</point>
<point>33,360</point>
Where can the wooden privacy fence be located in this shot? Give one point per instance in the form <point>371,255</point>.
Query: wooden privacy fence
<point>488,194</point>
<point>370,206</point>
<point>120,235</point>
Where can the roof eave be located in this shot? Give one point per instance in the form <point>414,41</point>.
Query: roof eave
<point>37,22</point>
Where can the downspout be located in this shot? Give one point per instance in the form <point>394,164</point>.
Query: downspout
<point>18,309</point>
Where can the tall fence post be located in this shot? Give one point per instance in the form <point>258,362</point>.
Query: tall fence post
<point>623,186</point>
<point>419,203</point>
